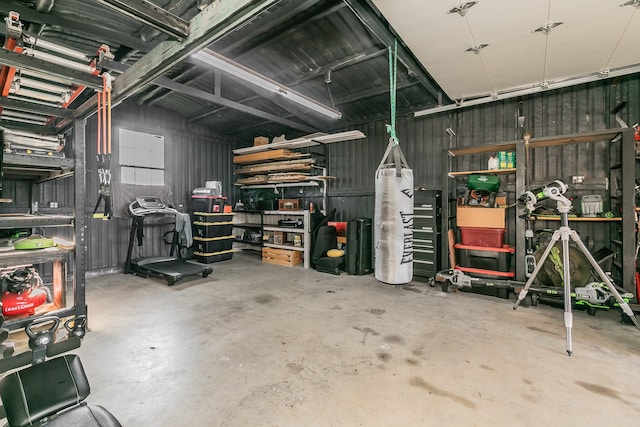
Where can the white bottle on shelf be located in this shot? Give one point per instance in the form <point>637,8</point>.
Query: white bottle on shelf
<point>493,163</point>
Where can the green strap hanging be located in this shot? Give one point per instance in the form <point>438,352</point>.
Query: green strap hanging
<point>393,66</point>
<point>397,157</point>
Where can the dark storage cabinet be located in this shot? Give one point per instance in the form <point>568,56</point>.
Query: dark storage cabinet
<point>359,253</point>
<point>427,235</point>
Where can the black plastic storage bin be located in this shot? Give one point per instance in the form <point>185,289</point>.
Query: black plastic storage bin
<point>213,244</point>
<point>208,258</point>
<point>200,203</point>
<point>213,217</point>
<point>496,259</point>
<point>212,229</point>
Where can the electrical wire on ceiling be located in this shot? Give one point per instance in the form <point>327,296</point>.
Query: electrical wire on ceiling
<point>477,47</point>
<point>624,31</point>
<point>546,46</point>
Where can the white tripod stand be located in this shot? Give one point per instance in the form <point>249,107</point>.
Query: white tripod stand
<point>555,192</point>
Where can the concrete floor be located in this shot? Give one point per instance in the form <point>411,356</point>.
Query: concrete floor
<point>262,345</point>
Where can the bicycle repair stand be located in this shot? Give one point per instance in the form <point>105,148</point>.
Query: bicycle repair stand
<point>564,233</point>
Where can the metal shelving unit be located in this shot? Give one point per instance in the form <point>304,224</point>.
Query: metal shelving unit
<point>68,293</point>
<point>626,166</point>
<point>242,221</point>
<point>305,232</point>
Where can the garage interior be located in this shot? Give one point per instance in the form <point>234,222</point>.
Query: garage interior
<point>319,212</point>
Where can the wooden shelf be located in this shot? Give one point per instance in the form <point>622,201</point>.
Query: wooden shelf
<point>483,172</point>
<point>305,141</point>
<point>551,141</point>
<point>479,149</point>
<point>578,219</point>
<point>30,221</point>
<point>280,185</point>
<point>13,257</point>
<point>577,138</point>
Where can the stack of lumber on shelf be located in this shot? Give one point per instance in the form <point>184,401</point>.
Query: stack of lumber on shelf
<point>285,166</point>
<point>282,154</point>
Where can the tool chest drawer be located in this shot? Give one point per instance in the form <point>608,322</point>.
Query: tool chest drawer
<point>430,197</point>
<point>426,228</point>
<point>427,243</point>
<point>424,268</point>
<point>427,219</point>
<point>424,254</point>
<point>421,218</point>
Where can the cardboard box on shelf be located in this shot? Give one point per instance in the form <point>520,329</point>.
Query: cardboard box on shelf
<point>289,204</point>
<point>476,216</point>
<point>260,140</point>
<point>279,238</point>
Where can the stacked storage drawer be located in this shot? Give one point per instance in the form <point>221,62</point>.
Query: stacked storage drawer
<point>427,213</point>
<point>483,253</point>
<point>486,262</point>
<point>213,236</point>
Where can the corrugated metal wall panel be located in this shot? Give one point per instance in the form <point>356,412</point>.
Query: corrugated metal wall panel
<point>424,141</point>
<point>193,155</point>
<point>196,155</point>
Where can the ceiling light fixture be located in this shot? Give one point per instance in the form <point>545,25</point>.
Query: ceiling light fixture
<point>477,48</point>
<point>462,10</point>
<point>635,3</point>
<point>215,60</point>
<point>546,29</point>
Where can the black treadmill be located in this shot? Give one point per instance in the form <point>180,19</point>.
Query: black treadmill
<point>170,268</point>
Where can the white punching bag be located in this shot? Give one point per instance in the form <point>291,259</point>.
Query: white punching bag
<point>393,219</point>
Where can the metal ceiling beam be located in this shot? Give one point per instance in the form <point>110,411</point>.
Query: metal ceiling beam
<point>174,86</point>
<point>186,75</point>
<point>150,14</point>
<point>210,111</point>
<point>19,60</point>
<point>34,108</point>
<point>86,29</point>
<point>320,71</point>
<point>274,26</point>
<point>355,59</point>
<point>42,130</point>
<point>373,22</point>
<point>381,90</point>
<point>211,23</point>
<point>209,97</point>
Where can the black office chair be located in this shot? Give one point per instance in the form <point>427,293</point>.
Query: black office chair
<point>52,393</point>
<point>326,240</point>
